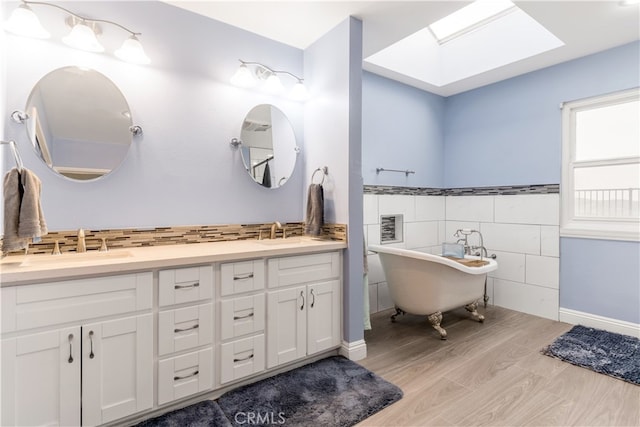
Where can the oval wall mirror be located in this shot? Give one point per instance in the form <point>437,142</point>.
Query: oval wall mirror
<point>79,123</point>
<point>268,146</point>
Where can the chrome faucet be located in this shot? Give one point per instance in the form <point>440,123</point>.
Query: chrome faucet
<point>472,250</point>
<point>277,225</point>
<point>82,247</point>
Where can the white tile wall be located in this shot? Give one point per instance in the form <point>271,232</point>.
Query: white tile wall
<point>470,208</point>
<point>541,209</point>
<point>543,271</point>
<point>420,234</point>
<point>522,230</point>
<point>430,208</point>
<point>512,237</point>
<point>527,298</point>
<point>392,204</point>
<point>370,207</point>
<point>511,266</point>
<point>550,240</point>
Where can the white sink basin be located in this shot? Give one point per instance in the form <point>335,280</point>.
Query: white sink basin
<point>72,258</point>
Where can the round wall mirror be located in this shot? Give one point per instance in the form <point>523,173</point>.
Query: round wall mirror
<point>79,123</point>
<point>268,146</point>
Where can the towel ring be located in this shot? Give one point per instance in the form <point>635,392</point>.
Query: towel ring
<point>324,170</point>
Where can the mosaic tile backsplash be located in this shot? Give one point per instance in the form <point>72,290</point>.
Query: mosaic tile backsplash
<point>466,191</point>
<point>132,238</point>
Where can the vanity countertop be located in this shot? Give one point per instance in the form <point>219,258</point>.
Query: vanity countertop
<point>27,269</point>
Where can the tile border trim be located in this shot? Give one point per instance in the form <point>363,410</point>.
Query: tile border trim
<point>463,191</point>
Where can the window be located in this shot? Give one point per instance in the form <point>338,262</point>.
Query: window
<point>601,167</point>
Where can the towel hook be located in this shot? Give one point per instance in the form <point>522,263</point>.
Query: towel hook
<point>16,153</point>
<point>324,170</point>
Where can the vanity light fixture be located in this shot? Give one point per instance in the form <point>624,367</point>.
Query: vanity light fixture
<point>24,22</point>
<point>245,77</point>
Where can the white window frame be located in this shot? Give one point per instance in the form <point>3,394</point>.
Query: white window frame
<point>593,228</point>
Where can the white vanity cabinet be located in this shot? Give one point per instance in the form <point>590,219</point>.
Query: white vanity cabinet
<point>185,332</point>
<point>81,347</point>
<point>303,305</point>
<point>77,352</point>
<point>242,319</point>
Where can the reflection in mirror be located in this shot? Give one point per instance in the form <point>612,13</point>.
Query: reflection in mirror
<point>79,122</point>
<point>268,147</point>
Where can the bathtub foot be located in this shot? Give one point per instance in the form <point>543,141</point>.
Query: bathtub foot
<point>473,309</point>
<point>435,320</point>
<point>398,312</point>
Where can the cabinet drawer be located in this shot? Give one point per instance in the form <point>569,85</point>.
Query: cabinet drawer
<point>185,375</point>
<point>242,316</point>
<point>239,277</point>
<point>182,285</point>
<point>239,359</point>
<point>185,328</point>
<point>46,304</point>
<point>303,268</point>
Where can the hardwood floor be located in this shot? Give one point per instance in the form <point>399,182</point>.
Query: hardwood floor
<point>489,374</point>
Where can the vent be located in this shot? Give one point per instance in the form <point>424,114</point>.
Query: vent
<point>253,126</point>
<point>391,228</point>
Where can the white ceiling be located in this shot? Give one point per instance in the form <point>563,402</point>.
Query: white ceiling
<point>585,27</point>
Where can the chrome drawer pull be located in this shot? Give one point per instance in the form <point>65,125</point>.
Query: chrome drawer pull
<point>70,349</point>
<point>186,376</point>
<point>91,355</point>
<point>194,285</point>
<point>243,317</point>
<point>244,358</point>
<point>186,329</point>
<point>246,276</point>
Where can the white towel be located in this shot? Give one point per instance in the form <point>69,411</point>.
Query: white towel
<point>23,216</point>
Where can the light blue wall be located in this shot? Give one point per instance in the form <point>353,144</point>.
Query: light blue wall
<point>332,131</point>
<point>509,133</point>
<point>601,277</point>
<point>402,128</point>
<point>182,171</point>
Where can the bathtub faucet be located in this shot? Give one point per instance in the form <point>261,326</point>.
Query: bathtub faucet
<point>463,238</point>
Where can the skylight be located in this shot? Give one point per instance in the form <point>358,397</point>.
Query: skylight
<point>470,17</point>
<point>502,37</point>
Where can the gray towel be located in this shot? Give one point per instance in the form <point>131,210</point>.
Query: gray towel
<point>315,210</point>
<point>23,217</point>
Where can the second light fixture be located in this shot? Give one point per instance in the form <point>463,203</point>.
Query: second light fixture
<point>245,77</point>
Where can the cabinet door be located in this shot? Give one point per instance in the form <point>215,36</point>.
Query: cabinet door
<point>324,314</point>
<point>41,379</point>
<point>117,368</point>
<point>286,325</point>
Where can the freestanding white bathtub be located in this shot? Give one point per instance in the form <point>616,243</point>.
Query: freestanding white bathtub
<point>425,284</point>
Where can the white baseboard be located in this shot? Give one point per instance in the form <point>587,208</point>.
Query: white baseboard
<point>356,350</point>
<point>594,321</point>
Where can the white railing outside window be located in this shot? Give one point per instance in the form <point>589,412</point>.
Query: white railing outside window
<point>620,203</point>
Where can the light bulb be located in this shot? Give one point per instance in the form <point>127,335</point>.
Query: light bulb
<point>299,92</point>
<point>82,37</point>
<point>24,22</point>
<point>273,84</point>
<point>243,77</point>
<point>132,51</point>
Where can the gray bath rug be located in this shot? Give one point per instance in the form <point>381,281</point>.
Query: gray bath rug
<point>331,392</point>
<point>601,351</point>
<point>202,414</point>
